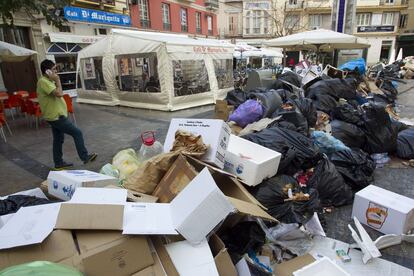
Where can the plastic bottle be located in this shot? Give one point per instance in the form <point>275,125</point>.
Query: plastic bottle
<point>380,159</point>
<point>150,147</point>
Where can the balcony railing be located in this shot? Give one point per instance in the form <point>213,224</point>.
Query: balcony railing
<point>198,30</point>
<point>145,24</point>
<point>166,26</point>
<point>105,2</point>
<point>184,28</point>
<point>294,5</point>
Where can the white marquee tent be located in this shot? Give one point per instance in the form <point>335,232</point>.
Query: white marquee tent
<point>153,70</point>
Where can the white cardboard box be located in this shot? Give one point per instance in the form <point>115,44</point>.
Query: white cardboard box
<point>383,210</point>
<point>215,133</point>
<point>321,267</point>
<point>251,162</point>
<point>62,184</point>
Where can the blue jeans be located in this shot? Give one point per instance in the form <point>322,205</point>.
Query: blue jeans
<point>59,128</point>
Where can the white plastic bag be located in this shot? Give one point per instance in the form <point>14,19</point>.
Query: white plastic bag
<point>126,161</point>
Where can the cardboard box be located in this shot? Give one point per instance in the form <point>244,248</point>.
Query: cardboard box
<point>111,253</point>
<point>287,268</point>
<point>62,184</point>
<point>215,133</point>
<point>383,210</point>
<point>58,246</point>
<point>236,193</point>
<point>222,110</point>
<point>225,266</point>
<point>251,162</point>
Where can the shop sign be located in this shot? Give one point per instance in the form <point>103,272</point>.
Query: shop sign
<point>375,29</point>
<point>94,16</point>
<point>206,49</point>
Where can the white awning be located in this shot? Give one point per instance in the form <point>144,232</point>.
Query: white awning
<point>70,38</point>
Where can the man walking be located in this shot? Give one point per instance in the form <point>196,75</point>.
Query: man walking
<point>54,110</point>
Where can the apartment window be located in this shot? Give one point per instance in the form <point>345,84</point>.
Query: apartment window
<point>247,22</point>
<point>266,24</point>
<point>389,1</point>
<point>363,19</point>
<point>183,13</point>
<point>210,25</point>
<point>101,31</point>
<point>293,2</point>
<point>64,29</point>
<point>404,2</point>
<point>403,21</point>
<point>198,22</point>
<point>315,21</point>
<point>166,16</point>
<point>387,18</point>
<point>143,13</point>
<point>256,21</point>
<point>292,21</point>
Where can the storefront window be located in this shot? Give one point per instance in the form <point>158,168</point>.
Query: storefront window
<point>138,73</point>
<point>92,73</point>
<point>190,77</point>
<point>224,72</point>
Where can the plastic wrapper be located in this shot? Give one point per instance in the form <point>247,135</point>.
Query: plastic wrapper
<point>351,65</point>
<point>327,143</point>
<point>189,143</point>
<point>40,268</point>
<point>126,161</point>
<point>247,113</point>
<point>110,170</point>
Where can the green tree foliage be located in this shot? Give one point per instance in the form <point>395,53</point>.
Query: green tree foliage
<point>48,8</point>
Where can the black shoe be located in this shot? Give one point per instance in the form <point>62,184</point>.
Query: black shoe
<point>91,157</point>
<point>63,166</point>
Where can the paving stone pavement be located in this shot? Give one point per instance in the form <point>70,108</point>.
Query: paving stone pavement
<point>26,158</point>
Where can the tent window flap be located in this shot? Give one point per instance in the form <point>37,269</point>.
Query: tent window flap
<point>190,77</point>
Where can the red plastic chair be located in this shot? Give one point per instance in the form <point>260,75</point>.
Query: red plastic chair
<point>12,103</point>
<point>69,106</point>
<point>34,110</point>
<point>33,95</point>
<point>3,122</point>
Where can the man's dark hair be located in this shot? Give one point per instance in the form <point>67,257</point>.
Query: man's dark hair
<point>47,64</point>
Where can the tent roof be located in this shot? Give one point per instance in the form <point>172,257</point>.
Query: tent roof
<point>173,39</point>
<point>11,52</point>
<point>325,39</point>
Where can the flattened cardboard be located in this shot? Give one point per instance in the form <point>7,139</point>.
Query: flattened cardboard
<point>222,110</point>
<point>225,266</point>
<point>133,196</point>
<point>287,268</point>
<point>116,255</point>
<point>175,180</point>
<point>58,246</point>
<point>90,216</point>
<point>165,259</point>
<point>155,270</point>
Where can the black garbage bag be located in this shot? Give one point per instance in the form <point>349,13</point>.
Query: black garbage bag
<point>244,236</point>
<point>387,88</point>
<point>380,133</point>
<point>337,88</point>
<point>270,100</point>
<point>323,102</point>
<point>272,193</point>
<point>351,135</point>
<point>405,144</point>
<point>291,113</point>
<point>291,78</point>
<point>285,95</point>
<point>332,189</point>
<point>308,109</point>
<point>399,126</point>
<point>236,97</point>
<point>347,113</point>
<point>298,151</point>
<point>283,124</point>
<point>13,203</point>
<point>356,167</point>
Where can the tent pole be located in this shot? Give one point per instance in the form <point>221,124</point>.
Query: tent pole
<point>284,57</point>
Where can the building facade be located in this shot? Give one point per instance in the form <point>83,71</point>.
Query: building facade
<point>385,23</point>
<point>194,17</point>
<point>87,22</point>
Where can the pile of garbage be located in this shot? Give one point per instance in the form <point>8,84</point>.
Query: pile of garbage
<point>241,195</point>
